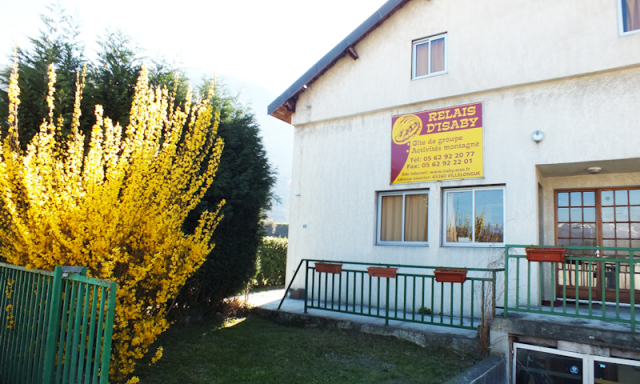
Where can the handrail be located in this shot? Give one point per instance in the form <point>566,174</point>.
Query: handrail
<point>402,265</point>
<point>289,287</point>
<point>577,247</point>
<point>585,274</point>
<point>425,281</point>
<point>375,264</point>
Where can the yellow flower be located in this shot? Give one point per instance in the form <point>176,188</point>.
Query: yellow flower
<point>157,356</point>
<point>116,206</point>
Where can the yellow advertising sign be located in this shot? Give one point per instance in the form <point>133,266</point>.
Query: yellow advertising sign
<point>443,144</point>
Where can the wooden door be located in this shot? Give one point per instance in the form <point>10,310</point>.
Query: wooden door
<point>597,217</point>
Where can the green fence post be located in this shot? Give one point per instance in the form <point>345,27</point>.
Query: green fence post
<point>108,334</point>
<point>306,285</point>
<point>53,328</point>
<point>493,294</point>
<point>506,281</point>
<point>632,294</point>
<point>386,316</point>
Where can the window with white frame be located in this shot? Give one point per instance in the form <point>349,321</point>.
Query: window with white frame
<point>402,217</point>
<point>474,216</point>
<point>629,14</point>
<point>429,56</point>
<point>532,363</point>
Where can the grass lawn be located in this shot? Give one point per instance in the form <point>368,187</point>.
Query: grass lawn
<point>258,350</point>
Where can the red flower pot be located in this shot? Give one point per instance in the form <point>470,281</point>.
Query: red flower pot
<point>545,254</point>
<point>329,268</point>
<point>382,272</point>
<point>450,275</point>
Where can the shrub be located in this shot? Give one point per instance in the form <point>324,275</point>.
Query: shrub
<point>272,261</point>
<point>244,180</point>
<point>116,207</point>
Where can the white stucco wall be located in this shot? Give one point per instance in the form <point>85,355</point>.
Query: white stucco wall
<point>491,44</point>
<point>559,67</point>
<point>341,164</point>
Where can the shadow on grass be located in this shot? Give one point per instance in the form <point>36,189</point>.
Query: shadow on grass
<point>256,350</point>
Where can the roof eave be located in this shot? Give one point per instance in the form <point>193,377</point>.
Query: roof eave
<point>283,106</point>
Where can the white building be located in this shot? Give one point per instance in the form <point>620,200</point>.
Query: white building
<point>553,156</point>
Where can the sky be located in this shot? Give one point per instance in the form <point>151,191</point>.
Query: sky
<point>268,43</point>
<point>257,48</point>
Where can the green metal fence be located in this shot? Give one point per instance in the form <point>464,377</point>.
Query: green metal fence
<point>55,326</point>
<point>593,283</point>
<point>412,296</point>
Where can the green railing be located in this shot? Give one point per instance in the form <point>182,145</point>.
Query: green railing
<point>55,326</point>
<point>412,296</point>
<point>592,282</point>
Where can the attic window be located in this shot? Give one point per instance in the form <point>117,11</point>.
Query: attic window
<point>629,16</point>
<point>429,56</point>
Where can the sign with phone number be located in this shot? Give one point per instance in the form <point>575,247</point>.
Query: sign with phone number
<point>443,144</point>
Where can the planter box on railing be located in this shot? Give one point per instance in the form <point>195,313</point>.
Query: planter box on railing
<point>546,254</point>
<point>450,275</point>
<point>382,272</point>
<point>329,268</point>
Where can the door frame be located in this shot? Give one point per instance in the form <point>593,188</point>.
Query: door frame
<point>599,281</point>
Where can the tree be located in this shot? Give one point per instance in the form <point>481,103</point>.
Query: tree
<point>116,206</point>
<point>245,180</point>
<point>58,43</point>
<point>112,78</point>
<point>110,82</point>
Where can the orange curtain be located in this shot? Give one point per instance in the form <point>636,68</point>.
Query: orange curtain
<point>437,55</point>
<point>415,217</point>
<point>391,221</point>
<point>422,59</point>
<point>631,15</point>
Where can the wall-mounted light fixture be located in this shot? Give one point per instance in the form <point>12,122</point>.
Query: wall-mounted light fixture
<point>594,170</point>
<point>537,136</point>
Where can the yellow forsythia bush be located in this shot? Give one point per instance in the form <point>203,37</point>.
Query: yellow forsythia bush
<point>116,207</point>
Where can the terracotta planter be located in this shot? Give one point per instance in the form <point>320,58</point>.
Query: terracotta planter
<point>548,303</point>
<point>382,272</point>
<point>329,268</point>
<point>450,275</point>
<point>545,254</point>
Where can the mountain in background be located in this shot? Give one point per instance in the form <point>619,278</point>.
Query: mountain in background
<point>277,136</point>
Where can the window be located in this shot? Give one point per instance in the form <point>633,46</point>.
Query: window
<point>474,217</point>
<point>429,56</point>
<point>402,217</point>
<point>611,215</point>
<point>546,365</point>
<point>629,14</point>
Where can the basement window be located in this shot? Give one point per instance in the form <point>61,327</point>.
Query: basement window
<point>429,56</point>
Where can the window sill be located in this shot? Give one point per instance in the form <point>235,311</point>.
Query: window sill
<point>430,75</point>
<point>634,32</point>
<point>402,244</point>
<point>462,245</point>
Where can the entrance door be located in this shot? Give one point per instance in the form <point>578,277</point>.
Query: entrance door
<point>597,217</point>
